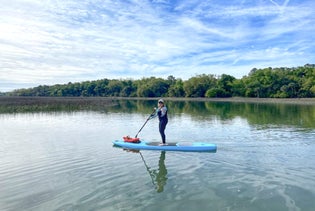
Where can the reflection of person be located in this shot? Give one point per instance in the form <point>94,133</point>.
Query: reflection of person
<point>161,175</point>
<point>161,112</point>
<point>158,176</point>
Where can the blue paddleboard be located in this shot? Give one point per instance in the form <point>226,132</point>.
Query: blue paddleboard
<point>185,147</point>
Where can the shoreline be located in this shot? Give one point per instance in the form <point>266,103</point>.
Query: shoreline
<point>20,100</point>
<point>297,101</point>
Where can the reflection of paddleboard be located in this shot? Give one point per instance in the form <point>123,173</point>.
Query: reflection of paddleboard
<point>186,147</point>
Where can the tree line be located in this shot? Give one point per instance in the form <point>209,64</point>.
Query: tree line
<point>269,82</point>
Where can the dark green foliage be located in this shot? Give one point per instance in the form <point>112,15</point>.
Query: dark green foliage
<point>152,87</point>
<point>225,85</point>
<point>281,82</point>
<point>260,83</point>
<point>217,92</point>
<point>197,86</point>
<point>176,89</point>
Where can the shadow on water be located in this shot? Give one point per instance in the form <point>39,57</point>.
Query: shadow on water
<point>158,176</point>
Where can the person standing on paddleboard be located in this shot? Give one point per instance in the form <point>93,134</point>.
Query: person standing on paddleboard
<point>161,112</point>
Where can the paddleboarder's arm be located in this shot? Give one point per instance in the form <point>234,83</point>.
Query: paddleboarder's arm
<point>154,114</point>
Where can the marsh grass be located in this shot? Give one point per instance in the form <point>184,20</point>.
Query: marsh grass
<point>51,104</point>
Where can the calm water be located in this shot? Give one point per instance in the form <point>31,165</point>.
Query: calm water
<point>66,161</point>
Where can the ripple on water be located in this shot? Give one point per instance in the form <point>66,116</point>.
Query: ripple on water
<point>78,169</point>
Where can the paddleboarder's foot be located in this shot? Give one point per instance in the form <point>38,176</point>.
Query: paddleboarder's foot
<point>162,144</point>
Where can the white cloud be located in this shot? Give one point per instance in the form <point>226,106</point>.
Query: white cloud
<point>54,41</point>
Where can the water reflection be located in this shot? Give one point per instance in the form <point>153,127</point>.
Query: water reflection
<point>158,176</point>
<point>255,113</point>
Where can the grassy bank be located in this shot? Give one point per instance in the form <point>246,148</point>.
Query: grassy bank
<point>297,101</point>
<point>28,104</point>
<point>109,101</point>
<point>55,100</point>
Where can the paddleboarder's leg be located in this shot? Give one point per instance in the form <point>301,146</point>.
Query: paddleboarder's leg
<point>162,126</point>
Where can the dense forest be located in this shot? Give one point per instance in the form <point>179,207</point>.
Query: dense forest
<point>298,82</point>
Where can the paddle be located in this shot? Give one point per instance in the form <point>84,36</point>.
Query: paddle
<point>148,169</point>
<point>145,123</point>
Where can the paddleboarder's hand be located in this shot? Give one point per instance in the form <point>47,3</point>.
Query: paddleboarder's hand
<point>151,116</point>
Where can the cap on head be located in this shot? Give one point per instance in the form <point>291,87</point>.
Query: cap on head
<point>161,101</point>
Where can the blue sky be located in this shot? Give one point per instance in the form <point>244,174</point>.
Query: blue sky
<point>60,41</point>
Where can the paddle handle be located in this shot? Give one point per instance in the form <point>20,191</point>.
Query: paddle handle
<point>144,123</point>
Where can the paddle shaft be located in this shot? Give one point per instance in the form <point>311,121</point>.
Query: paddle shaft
<point>145,123</point>
<point>148,168</point>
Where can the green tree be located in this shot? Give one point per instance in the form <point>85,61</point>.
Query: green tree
<point>128,89</point>
<point>216,92</point>
<point>176,89</point>
<point>267,82</point>
<point>225,83</point>
<point>101,88</point>
<point>152,87</point>
<point>114,87</point>
<point>238,88</point>
<point>197,86</point>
